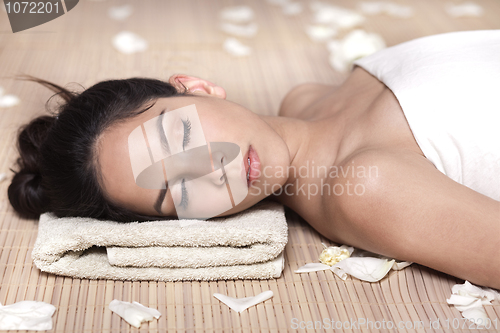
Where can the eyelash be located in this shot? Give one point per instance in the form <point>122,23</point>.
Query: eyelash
<point>187,133</point>
<point>184,200</point>
<point>185,142</point>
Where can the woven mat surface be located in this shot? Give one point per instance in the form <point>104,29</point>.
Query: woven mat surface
<point>184,37</point>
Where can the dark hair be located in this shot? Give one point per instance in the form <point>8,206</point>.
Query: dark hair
<point>58,167</point>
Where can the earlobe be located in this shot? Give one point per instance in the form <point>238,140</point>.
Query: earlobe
<point>195,85</point>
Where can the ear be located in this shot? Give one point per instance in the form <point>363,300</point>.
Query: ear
<point>196,85</point>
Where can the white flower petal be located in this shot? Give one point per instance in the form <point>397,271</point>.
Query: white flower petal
<point>336,16</point>
<point>397,10</point>
<point>469,300</point>
<point>128,42</point>
<point>464,9</point>
<point>293,8</point>
<point>320,33</point>
<point>7,101</point>
<point>236,48</point>
<point>240,304</point>
<point>248,30</point>
<point>468,289</point>
<point>27,315</point>
<point>133,313</point>
<point>463,302</point>
<point>371,8</point>
<point>278,2</point>
<point>397,266</point>
<point>312,267</point>
<point>357,44</point>
<point>238,14</point>
<point>477,315</point>
<point>363,268</point>
<point>120,13</point>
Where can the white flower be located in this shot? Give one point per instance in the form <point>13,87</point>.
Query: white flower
<point>240,304</point>
<point>6,101</point>
<point>469,300</point>
<point>120,13</point>
<point>248,30</point>
<point>333,254</point>
<point>363,265</point>
<point>128,42</point>
<point>237,14</point>
<point>357,44</point>
<point>335,16</point>
<point>320,33</point>
<point>470,9</point>
<point>134,313</point>
<point>236,48</point>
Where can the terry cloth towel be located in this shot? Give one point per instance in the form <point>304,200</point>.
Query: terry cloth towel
<point>247,245</point>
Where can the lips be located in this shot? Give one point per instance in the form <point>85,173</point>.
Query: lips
<point>252,165</point>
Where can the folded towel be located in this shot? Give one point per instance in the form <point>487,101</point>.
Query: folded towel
<point>247,245</point>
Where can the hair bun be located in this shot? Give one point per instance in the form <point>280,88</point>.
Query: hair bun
<point>26,193</point>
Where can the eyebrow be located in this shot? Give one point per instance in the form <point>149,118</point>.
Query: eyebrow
<point>163,138</point>
<point>164,143</point>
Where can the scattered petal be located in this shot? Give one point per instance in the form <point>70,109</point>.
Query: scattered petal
<point>7,101</point>
<point>476,315</point>
<point>389,8</point>
<point>464,9</point>
<point>397,10</point>
<point>27,315</point>
<point>469,300</point>
<point>371,8</point>
<point>312,267</point>
<point>397,266</point>
<point>292,8</point>
<point>278,2</point>
<point>238,14</point>
<point>468,289</point>
<point>240,304</point>
<point>3,176</point>
<point>120,13</point>
<point>320,33</point>
<point>248,30</point>
<point>333,254</point>
<point>133,313</point>
<point>128,42</point>
<point>336,16</point>
<point>357,44</point>
<point>236,48</point>
<point>364,268</point>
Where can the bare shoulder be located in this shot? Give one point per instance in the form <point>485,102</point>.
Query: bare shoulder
<point>408,209</point>
<point>300,97</point>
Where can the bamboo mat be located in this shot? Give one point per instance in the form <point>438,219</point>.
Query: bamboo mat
<point>183,38</point>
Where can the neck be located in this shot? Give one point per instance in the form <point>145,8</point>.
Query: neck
<point>306,142</point>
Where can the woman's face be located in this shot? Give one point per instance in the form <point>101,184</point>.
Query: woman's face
<point>221,121</point>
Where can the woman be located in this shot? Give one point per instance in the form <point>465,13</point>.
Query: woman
<point>381,163</point>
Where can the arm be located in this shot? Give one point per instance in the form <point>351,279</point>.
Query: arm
<point>413,212</point>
